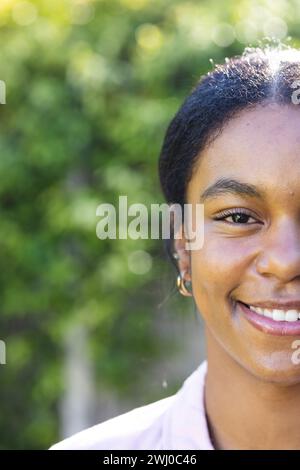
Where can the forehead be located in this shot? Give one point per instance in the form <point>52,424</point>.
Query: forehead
<point>260,146</point>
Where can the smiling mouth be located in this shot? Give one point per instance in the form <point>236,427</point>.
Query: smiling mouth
<point>278,315</point>
<point>271,321</point>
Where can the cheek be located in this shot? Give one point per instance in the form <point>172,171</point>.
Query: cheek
<point>218,268</point>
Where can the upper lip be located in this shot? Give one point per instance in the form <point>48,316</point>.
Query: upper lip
<point>283,305</point>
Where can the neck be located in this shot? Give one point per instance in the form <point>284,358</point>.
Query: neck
<point>245,412</point>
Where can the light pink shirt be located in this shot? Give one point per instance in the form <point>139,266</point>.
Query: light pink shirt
<point>174,422</point>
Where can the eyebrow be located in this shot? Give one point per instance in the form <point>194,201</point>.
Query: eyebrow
<point>224,186</point>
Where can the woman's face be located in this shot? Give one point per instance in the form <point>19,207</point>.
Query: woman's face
<point>253,257</point>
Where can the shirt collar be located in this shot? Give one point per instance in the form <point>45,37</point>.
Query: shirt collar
<point>185,426</point>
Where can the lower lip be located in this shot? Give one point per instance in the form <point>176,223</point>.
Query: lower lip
<point>269,326</point>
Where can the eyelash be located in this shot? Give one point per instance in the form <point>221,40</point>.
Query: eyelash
<point>228,213</point>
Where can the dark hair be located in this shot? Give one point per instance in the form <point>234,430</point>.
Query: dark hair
<point>259,76</point>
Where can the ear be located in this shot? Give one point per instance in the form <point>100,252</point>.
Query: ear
<point>184,261</point>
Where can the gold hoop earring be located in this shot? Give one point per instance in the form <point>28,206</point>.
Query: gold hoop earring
<point>181,284</point>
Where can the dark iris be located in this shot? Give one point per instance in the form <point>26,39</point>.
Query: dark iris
<point>242,218</point>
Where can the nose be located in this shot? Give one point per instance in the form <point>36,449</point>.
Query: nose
<point>280,252</point>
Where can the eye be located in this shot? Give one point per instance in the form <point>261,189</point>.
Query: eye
<point>240,217</point>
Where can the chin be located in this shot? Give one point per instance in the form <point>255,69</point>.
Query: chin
<point>281,372</point>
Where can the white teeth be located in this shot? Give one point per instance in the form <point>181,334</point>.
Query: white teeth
<point>276,314</point>
<point>291,315</point>
<point>268,313</point>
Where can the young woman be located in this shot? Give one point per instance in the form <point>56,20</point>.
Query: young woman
<point>233,146</point>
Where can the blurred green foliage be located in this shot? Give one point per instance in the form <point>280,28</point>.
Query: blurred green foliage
<point>91,87</point>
